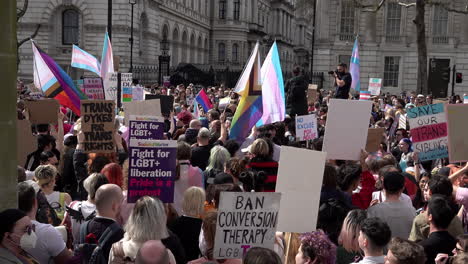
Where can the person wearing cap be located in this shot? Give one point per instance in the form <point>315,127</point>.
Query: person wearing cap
<point>16,235</point>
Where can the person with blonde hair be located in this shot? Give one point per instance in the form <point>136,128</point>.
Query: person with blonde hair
<point>146,222</point>
<point>264,168</point>
<point>45,176</point>
<point>348,239</point>
<point>188,226</point>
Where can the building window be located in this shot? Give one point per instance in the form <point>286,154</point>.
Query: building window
<point>391,71</point>
<point>235,52</point>
<point>344,59</point>
<point>222,9</point>
<point>440,25</point>
<point>393,22</point>
<point>221,52</point>
<point>70,27</point>
<point>236,9</point>
<point>347,20</point>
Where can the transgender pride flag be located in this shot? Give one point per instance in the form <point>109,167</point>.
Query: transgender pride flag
<point>274,109</point>
<point>83,60</point>
<point>364,96</point>
<point>354,67</point>
<point>107,59</point>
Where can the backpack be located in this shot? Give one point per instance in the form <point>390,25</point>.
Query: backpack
<point>78,214</point>
<point>93,253</point>
<point>332,213</point>
<point>45,213</point>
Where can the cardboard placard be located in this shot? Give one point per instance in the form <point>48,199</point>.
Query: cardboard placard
<point>97,124</point>
<point>126,81</point>
<point>138,93</point>
<point>374,139</point>
<point>25,141</point>
<point>300,197</point>
<point>143,108</point>
<point>306,127</point>
<point>44,111</point>
<point>111,86</point>
<point>312,94</point>
<point>146,127</point>
<point>93,88</point>
<point>167,102</point>
<point>245,220</point>
<point>375,84</point>
<point>429,131</point>
<point>457,127</point>
<point>152,169</point>
<point>346,129</point>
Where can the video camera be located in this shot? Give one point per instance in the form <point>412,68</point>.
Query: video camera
<point>333,72</point>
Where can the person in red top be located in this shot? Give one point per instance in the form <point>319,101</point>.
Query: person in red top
<point>262,166</point>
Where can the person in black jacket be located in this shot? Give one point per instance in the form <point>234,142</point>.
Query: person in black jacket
<point>343,81</point>
<point>295,89</point>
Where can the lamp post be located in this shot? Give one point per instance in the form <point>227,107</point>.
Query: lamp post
<point>164,59</point>
<point>132,3</point>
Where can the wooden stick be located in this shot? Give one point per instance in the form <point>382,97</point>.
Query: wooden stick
<point>288,247</point>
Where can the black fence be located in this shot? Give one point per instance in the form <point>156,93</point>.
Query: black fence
<point>146,74</point>
<point>318,79</point>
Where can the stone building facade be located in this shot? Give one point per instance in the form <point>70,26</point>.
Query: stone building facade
<point>388,47</point>
<point>214,34</point>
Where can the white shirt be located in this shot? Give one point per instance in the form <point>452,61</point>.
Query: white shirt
<point>49,243</point>
<point>372,260</point>
<point>87,209</point>
<point>403,197</point>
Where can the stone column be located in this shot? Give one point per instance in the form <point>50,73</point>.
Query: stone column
<point>370,21</point>
<point>8,151</point>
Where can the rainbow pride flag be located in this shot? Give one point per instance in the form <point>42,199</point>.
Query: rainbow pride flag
<point>55,82</point>
<point>83,60</point>
<point>274,108</point>
<point>107,58</point>
<point>203,100</point>
<point>249,87</point>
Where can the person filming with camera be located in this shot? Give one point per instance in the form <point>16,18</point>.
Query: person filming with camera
<point>343,81</point>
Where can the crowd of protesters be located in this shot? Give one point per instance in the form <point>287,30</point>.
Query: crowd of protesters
<point>389,207</point>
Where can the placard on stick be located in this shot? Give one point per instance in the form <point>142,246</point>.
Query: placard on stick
<point>374,139</point>
<point>245,220</point>
<point>167,102</point>
<point>44,111</point>
<point>312,93</point>
<point>143,108</point>
<point>146,127</point>
<point>346,129</point>
<point>97,124</point>
<point>152,169</point>
<point>25,141</point>
<point>300,197</point>
<point>429,131</point>
<point>306,127</point>
<point>93,88</point>
<point>457,127</point>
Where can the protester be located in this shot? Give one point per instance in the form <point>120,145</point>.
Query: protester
<point>295,91</point>
<point>402,251</point>
<point>316,248</point>
<point>187,227</point>
<point>373,238</point>
<point>264,168</point>
<point>405,146</point>
<point>201,152</point>
<point>153,252</point>
<point>258,255</point>
<point>16,236</point>
<point>348,239</point>
<point>50,245</point>
<point>218,157</point>
<point>186,175</point>
<point>343,81</point>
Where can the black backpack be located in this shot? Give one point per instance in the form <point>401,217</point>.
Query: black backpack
<point>78,214</point>
<point>332,213</point>
<point>93,253</point>
<point>45,213</point>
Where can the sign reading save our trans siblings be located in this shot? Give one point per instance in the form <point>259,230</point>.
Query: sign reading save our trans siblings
<point>429,131</point>
<point>146,127</point>
<point>152,169</point>
<point>245,220</point>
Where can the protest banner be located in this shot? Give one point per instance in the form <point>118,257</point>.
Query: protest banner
<point>126,87</point>
<point>428,126</point>
<point>297,203</point>
<point>152,169</point>
<point>93,88</point>
<point>97,124</point>
<point>44,111</point>
<point>306,127</point>
<point>346,129</point>
<point>167,102</point>
<point>25,141</point>
<point>111,86</point>
<point>146,127</point>
<point>374,139</point>
<point>457,127</point>
<point>138,93</point>
<point>312,94</point>
<point>375,84</point>
<point>142,108</point>
<point>245,220</point>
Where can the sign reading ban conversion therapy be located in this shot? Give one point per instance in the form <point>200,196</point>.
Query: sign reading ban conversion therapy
<point>97,124</point>
<point>245,220</point>
<point>429,131</point>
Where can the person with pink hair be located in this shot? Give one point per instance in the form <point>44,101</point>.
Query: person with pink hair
<point>316,248</point>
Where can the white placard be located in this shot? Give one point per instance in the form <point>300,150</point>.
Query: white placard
<point>375,84</point>
<point>300,192</point>
<point>306,127</point>
<point>111,86</point>
<point>245,220</point>
<point>142,108</point>
<point>346,129</point>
